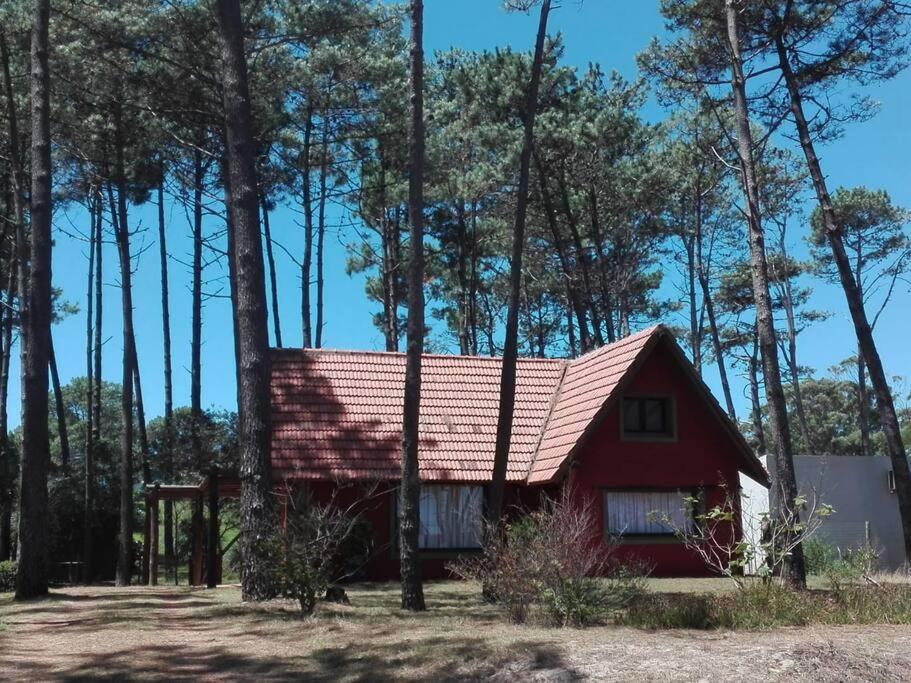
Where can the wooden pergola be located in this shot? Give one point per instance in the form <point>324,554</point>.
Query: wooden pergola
<point>204,535</point>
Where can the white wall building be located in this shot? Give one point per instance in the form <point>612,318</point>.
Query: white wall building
<point>858,488</point>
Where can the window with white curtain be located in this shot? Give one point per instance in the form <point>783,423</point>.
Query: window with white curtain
<point>450,517</point>
<point>643,512</point>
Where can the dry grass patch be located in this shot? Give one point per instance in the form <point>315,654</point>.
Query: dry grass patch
<point>170,633</point>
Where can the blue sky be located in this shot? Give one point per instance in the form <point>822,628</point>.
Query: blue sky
<point>609,32</point>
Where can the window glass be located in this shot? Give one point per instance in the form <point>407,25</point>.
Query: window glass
<point>648,416</point>
<point>645,512</point>
<point>654,415</point>
<point>631,422</point>
<point>450,517</point>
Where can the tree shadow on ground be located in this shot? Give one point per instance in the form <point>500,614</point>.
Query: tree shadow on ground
<point>433,658</point>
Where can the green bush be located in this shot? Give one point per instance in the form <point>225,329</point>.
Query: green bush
<point>7,576</point>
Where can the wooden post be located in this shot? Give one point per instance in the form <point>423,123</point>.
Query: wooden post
<point>152,502</point>
<point>212,543</point>
<point>198,536</point>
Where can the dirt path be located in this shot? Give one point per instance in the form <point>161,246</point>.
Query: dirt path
<point>182,634</point>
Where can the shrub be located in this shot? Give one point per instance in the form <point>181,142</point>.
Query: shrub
<point>321,544</point>
<point>549,564</point>
<point>7,576</point>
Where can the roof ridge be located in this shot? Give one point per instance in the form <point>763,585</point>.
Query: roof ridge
<point>555,397</point>
<point>402,354</point>
<point>619,343</point>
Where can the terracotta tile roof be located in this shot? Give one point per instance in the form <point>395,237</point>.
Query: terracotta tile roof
<point>338,414</point>
<point>589,382</point>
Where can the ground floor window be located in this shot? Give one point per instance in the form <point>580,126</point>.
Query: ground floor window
<point>450,517</point>
<point>646,513</point>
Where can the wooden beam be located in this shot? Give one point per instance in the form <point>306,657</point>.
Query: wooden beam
<point>214,531</point>
<point>152,511</point>
<point>196,560</point>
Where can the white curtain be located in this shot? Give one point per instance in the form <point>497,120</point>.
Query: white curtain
<point>643,512</point>
<point>451,517</point>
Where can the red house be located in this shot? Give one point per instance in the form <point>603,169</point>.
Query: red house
<point>630,425</point>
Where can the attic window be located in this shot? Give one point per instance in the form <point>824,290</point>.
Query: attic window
<point>648,417</point>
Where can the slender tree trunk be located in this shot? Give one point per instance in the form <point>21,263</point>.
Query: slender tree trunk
<point>16,283</point>
<point>32,572</point>
<point>863,405</point>
<point>258,519</point>
<point>793,367</point>
<point>510,343</point>
<point>784,482</point>
<point>462,274</point>
<point>307,262</point>
<point>881,390</point>
<point>168,459</point>
<point>410,488</point>
<point>122,234</point>
<point>603,274</point>
<point>695,332</point>
<point>7,470</point>
<point>196,316</point>
<point>88,489</point>
<point>578,305</point>
<point>702,276</point>
<point>267,233</point>
<point>145,465</point>
<point>99,287</point>
<point>570,329</point>
<point>755,403</point>
<point>582,259</point>
<point>321,227</point>
<point>59,408</point>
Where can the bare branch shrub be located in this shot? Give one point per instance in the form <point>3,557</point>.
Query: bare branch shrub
<point>321,545</point>
<point>550,562</point>
<point>734,555</point>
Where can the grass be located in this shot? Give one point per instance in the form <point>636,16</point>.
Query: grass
<point>168,633</point>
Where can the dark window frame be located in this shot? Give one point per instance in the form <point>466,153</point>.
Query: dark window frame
<point>669,410</point>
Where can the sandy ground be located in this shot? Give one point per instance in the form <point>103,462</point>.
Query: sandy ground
<point>191,634</point>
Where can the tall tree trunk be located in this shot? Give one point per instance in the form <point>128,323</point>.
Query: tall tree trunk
<point>570,329</point>
<point>321,226</point>
<point>270,256</point>
<point>59,408</point>
<point>702,276</point>
<point>791,360</point>
<point>695,332</point>
<point>88,490</point>
<point>145,465</point>
<point>578,305</point>
<point>168,459</point>
<point>258,519</point>
<point>863,405</point>
<point>881,390</point>
<point>510,343</point>
<point>196,316</point>
<point>307,261</point>
<point>122,234</point>
<point>582,258</point>
<point>603,274</point>
<point>7,470</point>
<point>755,403</point>
<point>99,305</point>
<point>462,273</point>
<point>784,481</point>
<point>32,572</point>
<point>16,283</point>
<point>410,488</point>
